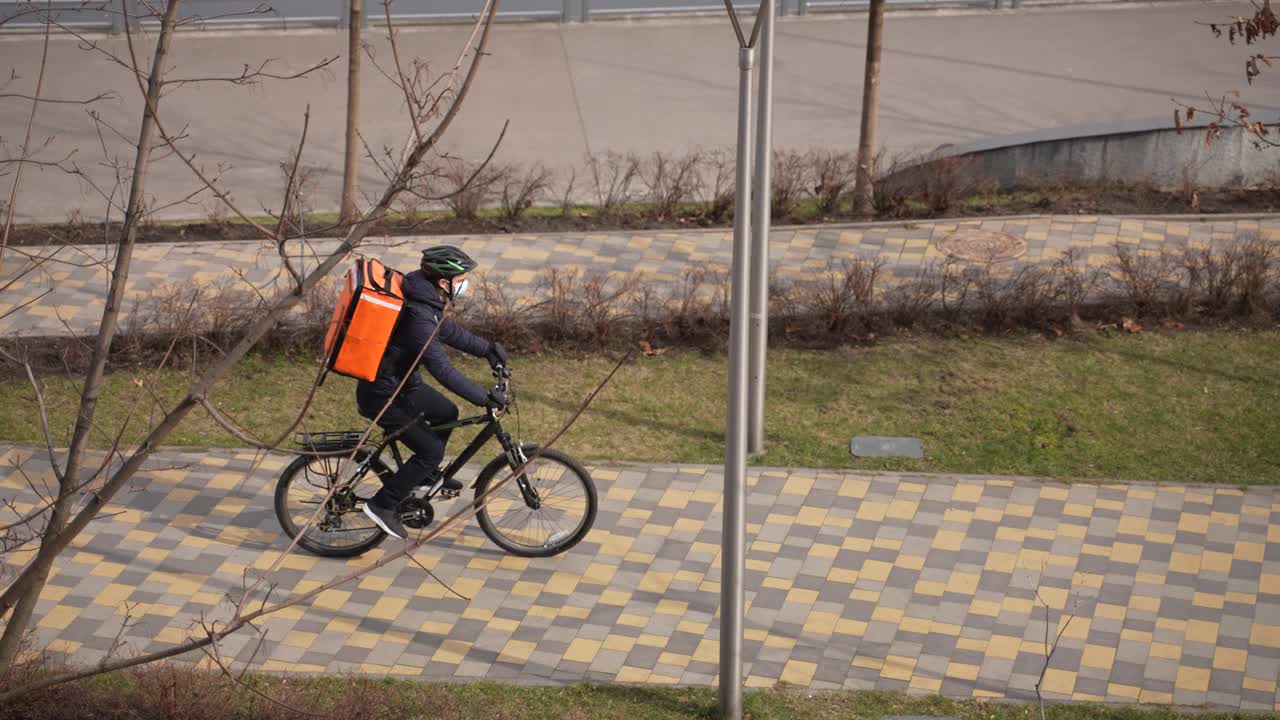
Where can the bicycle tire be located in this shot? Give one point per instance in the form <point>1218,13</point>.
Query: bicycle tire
<point>557,542</point>
<point>308,541</point>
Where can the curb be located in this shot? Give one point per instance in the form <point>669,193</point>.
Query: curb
<point>637,465</point>
<point>908,9</point>
<point>1201,218</point>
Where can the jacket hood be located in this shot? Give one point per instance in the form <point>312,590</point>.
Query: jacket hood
<point>419,288</point>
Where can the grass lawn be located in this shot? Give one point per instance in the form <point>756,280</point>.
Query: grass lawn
<point>366,698</point>
<point>1183,407</point>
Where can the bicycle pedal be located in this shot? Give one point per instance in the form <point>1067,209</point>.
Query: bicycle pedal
<point>448,494</point>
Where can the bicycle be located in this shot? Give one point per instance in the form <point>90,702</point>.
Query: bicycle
<point>555,496</point>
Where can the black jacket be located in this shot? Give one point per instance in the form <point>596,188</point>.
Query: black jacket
<point>418,319</point>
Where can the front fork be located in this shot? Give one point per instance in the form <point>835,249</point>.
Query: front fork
<point>516,458</point>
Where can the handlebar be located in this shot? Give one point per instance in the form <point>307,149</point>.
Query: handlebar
<point>503,375</point>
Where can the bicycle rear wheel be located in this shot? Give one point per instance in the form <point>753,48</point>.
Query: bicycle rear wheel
<point>339,529</point>
<point>563,505</point>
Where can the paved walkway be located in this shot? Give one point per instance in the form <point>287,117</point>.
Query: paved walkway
<point>78,283</point>
<point>625,86</point>
<point>855,580</point>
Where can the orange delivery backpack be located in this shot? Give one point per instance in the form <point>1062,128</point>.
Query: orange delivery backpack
<point>367,310</point>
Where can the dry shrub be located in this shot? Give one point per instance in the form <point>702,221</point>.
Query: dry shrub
<point>697,307</point>
<point>612,177</point>
<point>1147,281</point>
<point>909,303</point>
<point>201,321</point>
<point>179,316</point>
<point>78,230</point>
<point>465,187</point>
<point>947,180</point>
<point>1076,282</point>
<point>169,691</point>
<point>648,308</point>
<point>837,305</point>
<point>363,698</point>
<point>1213,279</point>
<point>566,197</point>
<point>789,182</point>
<point>522,187</point>
<point>1231,280</point>
<point>955,283</point>
<point>572,309</point>
<point>892,186</point>
<point>1258,286</point>
<point>70,701</point>
<point>939,181</point>
<point>317,305</point>
<point>1027,296</point>
<point>1189,183</point>
<point>165,311</point>
<point>719,183</point>
<point>603,298</point>
<point>833,173</point>
<point>492,312</point>
<point>581,307</point>
<point>672,181</point>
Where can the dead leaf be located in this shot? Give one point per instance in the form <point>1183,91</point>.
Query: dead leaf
<point>1171,325</point>
<point>1195,200</point>
<point>1130,326</point>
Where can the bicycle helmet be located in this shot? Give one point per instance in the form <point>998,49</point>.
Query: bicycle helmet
<point>446,261</point>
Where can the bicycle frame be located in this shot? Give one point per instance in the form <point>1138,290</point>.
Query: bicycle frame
<point>493,428</point>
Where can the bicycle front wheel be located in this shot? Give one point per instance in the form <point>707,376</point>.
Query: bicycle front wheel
<point>330,521</point>
<point>550,514</point>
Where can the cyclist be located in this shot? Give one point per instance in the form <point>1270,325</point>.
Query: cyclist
<point>441,280</point>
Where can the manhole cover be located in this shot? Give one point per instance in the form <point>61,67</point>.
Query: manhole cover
<point>982,245</point>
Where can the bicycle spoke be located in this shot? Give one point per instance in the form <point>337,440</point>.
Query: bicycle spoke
<point>335,531</point>
<point>563,507</point>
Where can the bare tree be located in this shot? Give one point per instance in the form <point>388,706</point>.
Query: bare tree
<point>68,477</point>
<point>863,188</point>
<point>82,492</point>
<point>351,158</point>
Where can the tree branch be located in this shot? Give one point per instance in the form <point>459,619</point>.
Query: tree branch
<point>249,76</point>
<point>26,143</point>
<point>288,195</point>
<point>479,169</point>
<point>108,95</point>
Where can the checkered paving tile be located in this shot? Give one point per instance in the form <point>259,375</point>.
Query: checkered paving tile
<point>923,583</point>
<point>78,286</point>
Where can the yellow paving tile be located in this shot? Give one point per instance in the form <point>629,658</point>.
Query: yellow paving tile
<point>582,650</point>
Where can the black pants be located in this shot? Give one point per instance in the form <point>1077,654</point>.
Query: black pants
<point>427,444</point>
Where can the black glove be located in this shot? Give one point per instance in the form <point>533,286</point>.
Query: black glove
<point>497,356</point>
<point>497,400</point>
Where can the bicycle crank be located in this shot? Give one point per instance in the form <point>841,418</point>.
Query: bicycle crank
<point>416,513</point>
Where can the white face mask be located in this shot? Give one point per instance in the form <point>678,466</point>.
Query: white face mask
<point>461,288</point>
